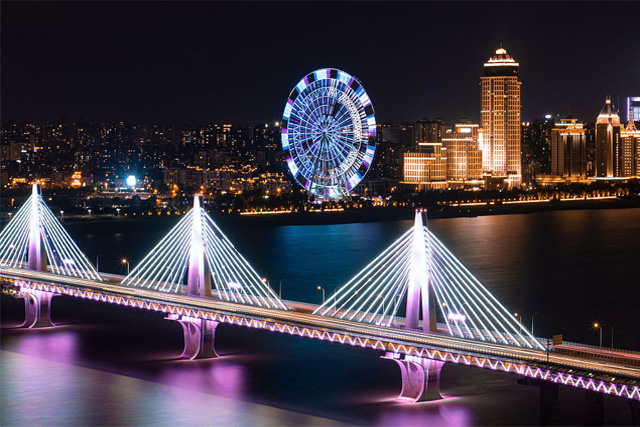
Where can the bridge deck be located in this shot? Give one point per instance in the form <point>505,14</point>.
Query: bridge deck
<point>590,366</point>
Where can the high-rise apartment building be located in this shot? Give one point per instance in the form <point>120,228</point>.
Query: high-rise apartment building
<point>500,118</point>
<point>630,150</point>
<point>464,158</point>
<point>633,108</point>
<point>569,149</point>
<point>608,142</point>
<point>426,130</point>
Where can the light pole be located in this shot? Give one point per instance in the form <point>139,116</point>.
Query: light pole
<point>320,288</point>
<point>89,211</point>
<point>98,262</point>
<point>532,316</point>
<point>126,261</point>
<point>612,336</point>
<point>118,211</point>
<point>280,288</point>
<point>519,316</point>
<point>599,326</point>
<point>62,215</point>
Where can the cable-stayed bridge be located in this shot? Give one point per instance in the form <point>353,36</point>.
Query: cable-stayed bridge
<point>197,277</point>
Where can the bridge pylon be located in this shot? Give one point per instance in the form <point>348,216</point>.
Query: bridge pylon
<point>35,240</point>
<point>196,258</point>
<point>198,273</point>
<point>419,273</point>
<point>419,289</point>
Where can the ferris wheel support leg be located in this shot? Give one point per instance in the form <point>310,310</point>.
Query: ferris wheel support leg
<point>37,309</point>
<point>199,337</point>
<point>420,377</point>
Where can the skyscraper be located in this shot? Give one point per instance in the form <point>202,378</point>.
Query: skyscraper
<point>608,142</point>
<point>630,150</point>
<point>500,117</point>
<point>633,108</point>
<point>569,149</point>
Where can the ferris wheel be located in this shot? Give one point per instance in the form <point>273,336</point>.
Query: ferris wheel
<point>328,133</point>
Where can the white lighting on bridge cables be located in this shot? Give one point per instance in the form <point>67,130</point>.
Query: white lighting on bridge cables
<point>465,307</point>
<point>35,231</point>
<point>197,246</point>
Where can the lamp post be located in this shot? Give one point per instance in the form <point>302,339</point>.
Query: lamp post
<point>98,262</point>
<point>62,215</point>
<point>532,316</point>
<point>612,336</point>
<point>599,326</point>
<point>320,288</point>
<point>89,211</point>
<point>126,261</point>
<point>118,212</point>
<point>519,316</point>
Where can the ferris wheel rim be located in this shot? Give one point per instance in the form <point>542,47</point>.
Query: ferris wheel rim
<point>328,131</point>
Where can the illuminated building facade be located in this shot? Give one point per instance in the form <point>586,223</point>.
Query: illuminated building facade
<point>426,130</point>
<point>464,158</point>
<point>427,169</point>
<point>569,149</point>
<point>633,108</point>
<point>630,150</point>
<point>500,118</point>
<point>608,142</point>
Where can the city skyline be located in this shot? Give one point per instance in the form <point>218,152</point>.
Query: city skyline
<point>166,62</point>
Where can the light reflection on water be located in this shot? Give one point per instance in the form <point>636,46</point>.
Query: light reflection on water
<point>119,374</point>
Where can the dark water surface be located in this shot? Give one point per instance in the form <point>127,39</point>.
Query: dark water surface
<point>116,366</point>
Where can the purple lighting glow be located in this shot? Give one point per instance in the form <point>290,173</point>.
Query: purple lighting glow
<point>612,388</point>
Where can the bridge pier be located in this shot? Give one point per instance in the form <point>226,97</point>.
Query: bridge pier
<point>37,309</point>
<point>634,407</point>
<point>594,411</point>
<point>420,377</point>
<point>199,337</point>
<point>549,400</point>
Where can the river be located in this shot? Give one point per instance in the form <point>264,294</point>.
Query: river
<point>561,270</point>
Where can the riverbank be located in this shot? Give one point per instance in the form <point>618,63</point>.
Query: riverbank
<point>378,214</point>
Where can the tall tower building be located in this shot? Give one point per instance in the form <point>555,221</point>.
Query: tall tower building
<point>630,150</point>
<point>500,117</point>
<point>608,142</point>
<point>633,108</point>
<point>569,149</point>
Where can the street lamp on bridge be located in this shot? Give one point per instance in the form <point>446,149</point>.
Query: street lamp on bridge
<point>126,261</point>
<point>320,288</point>
<point>599,326</point>
<point>519,316</point>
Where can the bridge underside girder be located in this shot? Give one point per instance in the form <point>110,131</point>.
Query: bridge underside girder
<point>199,337</point>
<point>420,377</point>
<point>37,309</point>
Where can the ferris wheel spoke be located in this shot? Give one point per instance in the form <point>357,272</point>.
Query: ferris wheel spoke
<point>326,132</point>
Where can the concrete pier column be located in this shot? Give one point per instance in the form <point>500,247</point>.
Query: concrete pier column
<point>549,404</point>
<point>199,337</point>
<point>594,410</point>
<point>420,377</point>
<point>549,400</point>
<point>634,406</point>
<point>37,309</point>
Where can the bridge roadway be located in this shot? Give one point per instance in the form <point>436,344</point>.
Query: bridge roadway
<point>616,373</point>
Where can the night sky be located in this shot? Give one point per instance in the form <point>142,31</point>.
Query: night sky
<point>237,62</point>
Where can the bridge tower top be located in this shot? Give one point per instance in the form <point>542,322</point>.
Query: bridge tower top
<point>34,239</point>
<point>418,271</point>
<point>196,257</point>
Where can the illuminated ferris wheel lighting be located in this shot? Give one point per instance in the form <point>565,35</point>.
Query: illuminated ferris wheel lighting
<point>328,133</point>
